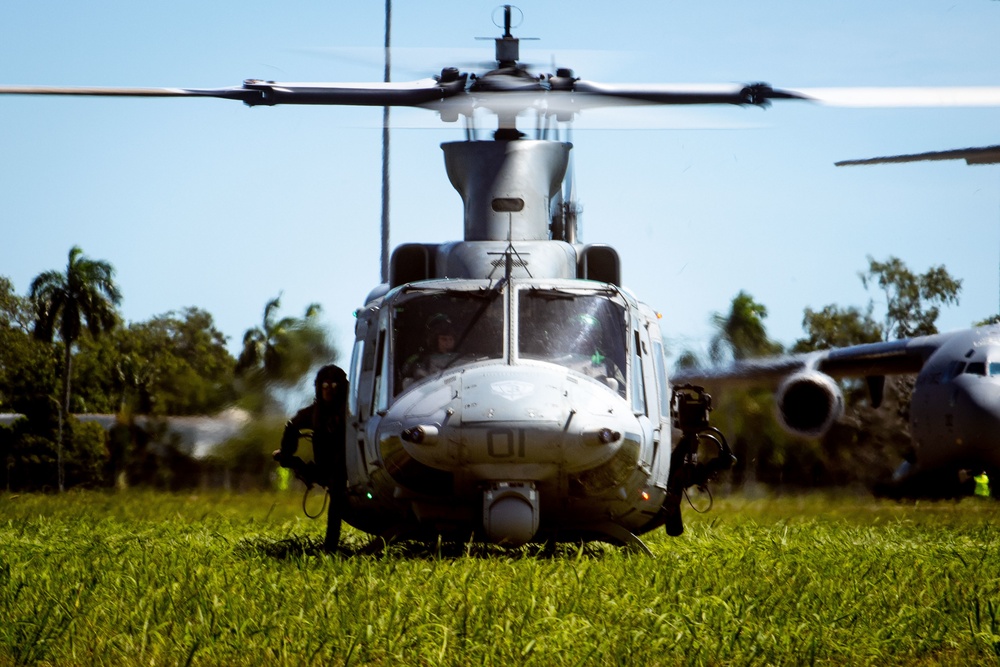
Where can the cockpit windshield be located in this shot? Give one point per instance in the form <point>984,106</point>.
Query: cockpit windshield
<point>584,332</point>
<point>433,331</point>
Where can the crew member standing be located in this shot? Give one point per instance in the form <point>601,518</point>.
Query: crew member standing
<point>325,419</point>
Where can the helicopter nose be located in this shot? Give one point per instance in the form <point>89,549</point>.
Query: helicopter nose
<point>534,422</point>
<point>497,423</point>
<point>507,436</point>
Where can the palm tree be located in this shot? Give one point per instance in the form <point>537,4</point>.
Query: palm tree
<point>741,332</point>
<point>281,351</point>
<point>62,302</point>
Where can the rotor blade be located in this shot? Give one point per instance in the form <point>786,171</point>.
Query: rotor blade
<point>927,96</point>
<point>93,91</point>
<point>758,94</point>
<point>572,97</point>
<point>256,92</point>
<point>436,93</point>
<point>984,155</point>
<point>411,93</point>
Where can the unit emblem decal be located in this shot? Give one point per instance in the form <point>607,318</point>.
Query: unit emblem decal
<point>512,390</point>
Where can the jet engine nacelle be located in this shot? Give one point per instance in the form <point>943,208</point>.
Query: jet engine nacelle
<point>808,402</point>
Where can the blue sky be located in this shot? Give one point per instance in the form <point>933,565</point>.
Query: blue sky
<point>211,204</point>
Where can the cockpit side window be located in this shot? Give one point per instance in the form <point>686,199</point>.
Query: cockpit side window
<point>435,331</point>
<point>662,387</point>
<point>355,376</point>
<point>994,368</point>
<point>584,332</point>
<point>976,368</point>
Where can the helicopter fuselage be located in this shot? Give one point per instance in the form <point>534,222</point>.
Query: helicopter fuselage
<point>506,387</point>
<point>532,427</point>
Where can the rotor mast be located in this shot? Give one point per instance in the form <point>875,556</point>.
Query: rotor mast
<point>507,46</point>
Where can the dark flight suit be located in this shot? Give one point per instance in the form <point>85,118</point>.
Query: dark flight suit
<point>326,418</point>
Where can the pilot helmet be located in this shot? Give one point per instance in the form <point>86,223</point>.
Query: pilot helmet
<point>439,325</point>
<point>330,374</point>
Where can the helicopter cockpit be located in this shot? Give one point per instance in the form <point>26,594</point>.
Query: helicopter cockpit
<point>584,331</point>
<point>581,329</point>
<point>433,330</point>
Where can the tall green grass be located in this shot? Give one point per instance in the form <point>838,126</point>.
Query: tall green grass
<point>211,579</point>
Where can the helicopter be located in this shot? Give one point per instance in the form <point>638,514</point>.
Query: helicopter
<point>506,386</point>
<point>552,417</point>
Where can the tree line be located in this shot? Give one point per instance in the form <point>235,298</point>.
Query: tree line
<point>64,350</point>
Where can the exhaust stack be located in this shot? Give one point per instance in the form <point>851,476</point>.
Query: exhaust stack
<point>507,186</point>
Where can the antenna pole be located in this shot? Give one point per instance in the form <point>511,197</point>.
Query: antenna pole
<point>507,47</point>
<point>385,149</point>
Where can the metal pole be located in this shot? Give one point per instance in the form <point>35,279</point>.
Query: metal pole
<point>385,150</point>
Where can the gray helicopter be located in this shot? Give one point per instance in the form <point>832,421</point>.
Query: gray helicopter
<point>506,387</point>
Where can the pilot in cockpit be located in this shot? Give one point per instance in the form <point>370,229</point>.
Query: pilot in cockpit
<point>437,356</point>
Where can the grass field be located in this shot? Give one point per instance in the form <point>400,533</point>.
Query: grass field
<point>212,579</point>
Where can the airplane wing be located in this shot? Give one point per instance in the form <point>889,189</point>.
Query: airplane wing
<point>888,358</point>
<point>984,155</point>
<point>808,399</point>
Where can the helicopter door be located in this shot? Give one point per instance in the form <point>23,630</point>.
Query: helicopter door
<point>662,439</point>
<point>381,394</point>
<point>638,378</point>
<point>354,377</point>
<point>355,455</point>
<point>644,404</point>
<point>365,387</point>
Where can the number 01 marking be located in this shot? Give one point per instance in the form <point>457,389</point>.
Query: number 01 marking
<point>502,443</point>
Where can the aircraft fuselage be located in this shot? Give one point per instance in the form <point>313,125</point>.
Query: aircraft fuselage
<point>955,409</point>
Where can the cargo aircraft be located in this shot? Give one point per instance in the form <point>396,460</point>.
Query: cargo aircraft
<point>954,411</point>
<point>955,408</point>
